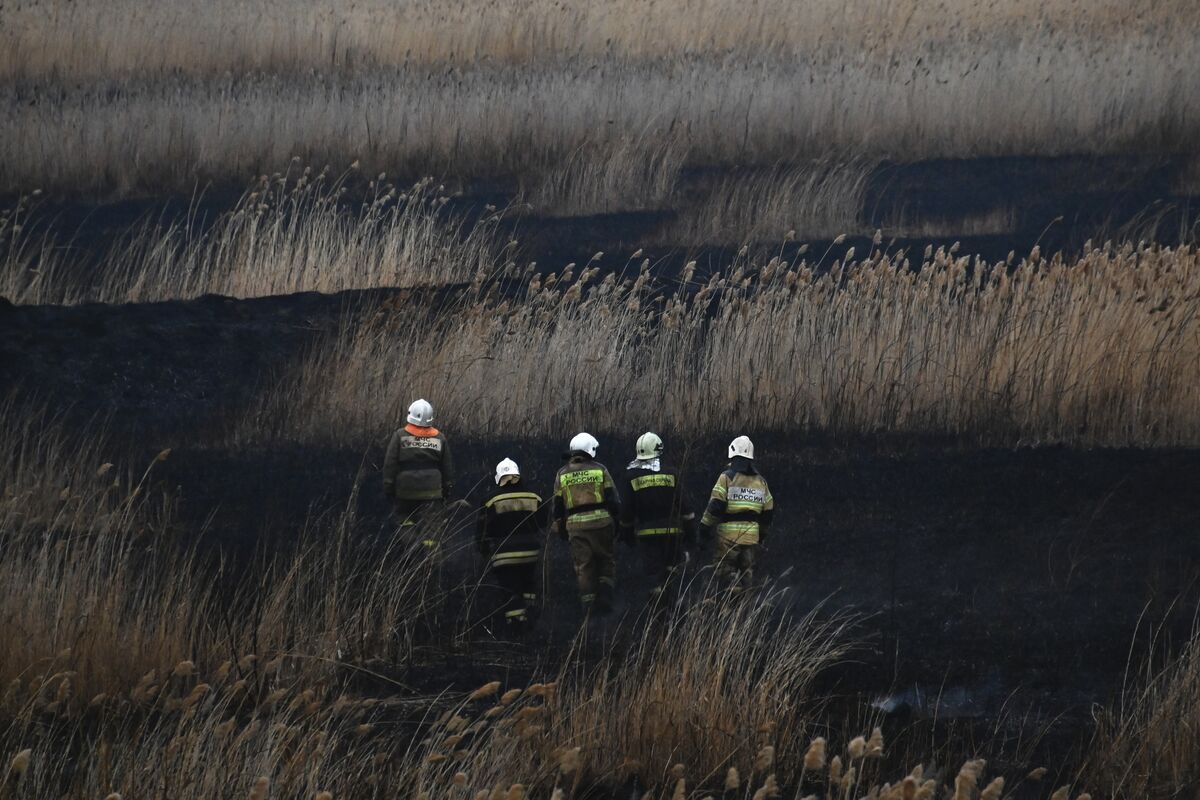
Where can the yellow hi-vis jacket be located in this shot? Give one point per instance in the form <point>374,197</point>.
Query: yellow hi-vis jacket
<point>740,507</point>
<point>585,497</point>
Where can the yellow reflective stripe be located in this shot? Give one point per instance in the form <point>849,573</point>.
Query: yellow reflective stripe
<point>720,490</point>
<point>659,531</point>
<point>589,516</point>
<point>651,481</point>
<point>507,559</point>
<point>512,496</point>
<point>518,554</point>
<point>520,612</point>
<point>735,507</point>
<point>708,519</point>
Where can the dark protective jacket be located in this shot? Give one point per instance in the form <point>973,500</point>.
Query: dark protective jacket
<point>741,505</point>
<point>418,465</point>
<point>511,523</point>
<point>652,501</point>
<point>585,496</point>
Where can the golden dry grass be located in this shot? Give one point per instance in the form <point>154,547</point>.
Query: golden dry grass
<point>81,39</point>
<point>290,233</point>
<point>1147,744</point>
<point>120,98</point>
<point>633,174</point>
<point>1102,350</point>
<point>122,673</point>
<point>94,586</point>
<point>820,199</point>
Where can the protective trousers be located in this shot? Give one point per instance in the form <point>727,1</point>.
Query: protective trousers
<point>520,584</point>
<point>735,563</point>
<point>592,554</point>
<point>660,556</point>
<point>420,516</point>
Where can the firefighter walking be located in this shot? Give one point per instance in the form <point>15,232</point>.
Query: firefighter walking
<point>586,510</point>
<point>740,509</point>
<point>653,513</point>
<point>509,534</point>
<point>418,472</point>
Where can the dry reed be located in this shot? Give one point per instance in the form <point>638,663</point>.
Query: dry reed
<point>162,97</point>
<point>1100,350</point>
<point>291,232</point>
<point>1147,745</point>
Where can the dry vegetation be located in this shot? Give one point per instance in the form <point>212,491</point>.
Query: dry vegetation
<point>816,200</point>
<point>128,671</point>
<point>123,97</point>
<point>290,233</point>
<point>1147,746</point>
<point>635,174</point>
<point>1100,350</point>
<point>95,584</point>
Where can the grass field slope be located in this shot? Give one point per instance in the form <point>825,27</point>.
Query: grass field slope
<point>124,97</point>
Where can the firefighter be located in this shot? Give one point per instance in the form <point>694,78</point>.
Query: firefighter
<point>418,472</point>
<point>653,512</point>
<point>586,510</point>
<point>740,509</point>
<point>509,535</point>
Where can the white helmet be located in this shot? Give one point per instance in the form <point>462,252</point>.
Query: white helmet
<point>741,446</point>
<point>420,413</point>
<point>584,443</point>
<point>649,446</point>
<point>505,468</point>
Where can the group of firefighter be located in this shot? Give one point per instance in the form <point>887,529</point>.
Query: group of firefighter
<point>589,509</point>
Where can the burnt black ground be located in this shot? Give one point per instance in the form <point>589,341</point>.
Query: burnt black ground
<point>1004,591</point>
<point>1012,583</point>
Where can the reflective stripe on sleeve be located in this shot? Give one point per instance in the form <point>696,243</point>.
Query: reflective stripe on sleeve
<point>659,531</point>
<point>515,557</point>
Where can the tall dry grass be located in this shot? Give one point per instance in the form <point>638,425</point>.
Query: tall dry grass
<point>815,200</point>
<point>88,39</point>
<point>709,684</point>
<point>291,232</point>
<point>1099,350</point>
<point>97,592</point>
<point>1147,744</point>
<point>631,174</point>
<point>157,98</point>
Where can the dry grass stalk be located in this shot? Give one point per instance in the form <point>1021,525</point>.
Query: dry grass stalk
<point>290,233</point>
<point>495,89</point>
<point>1101,350</point>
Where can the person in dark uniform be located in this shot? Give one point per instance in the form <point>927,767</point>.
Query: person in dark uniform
<point>510,531</point>
<point>653,512</point>
<point>418,471</point>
